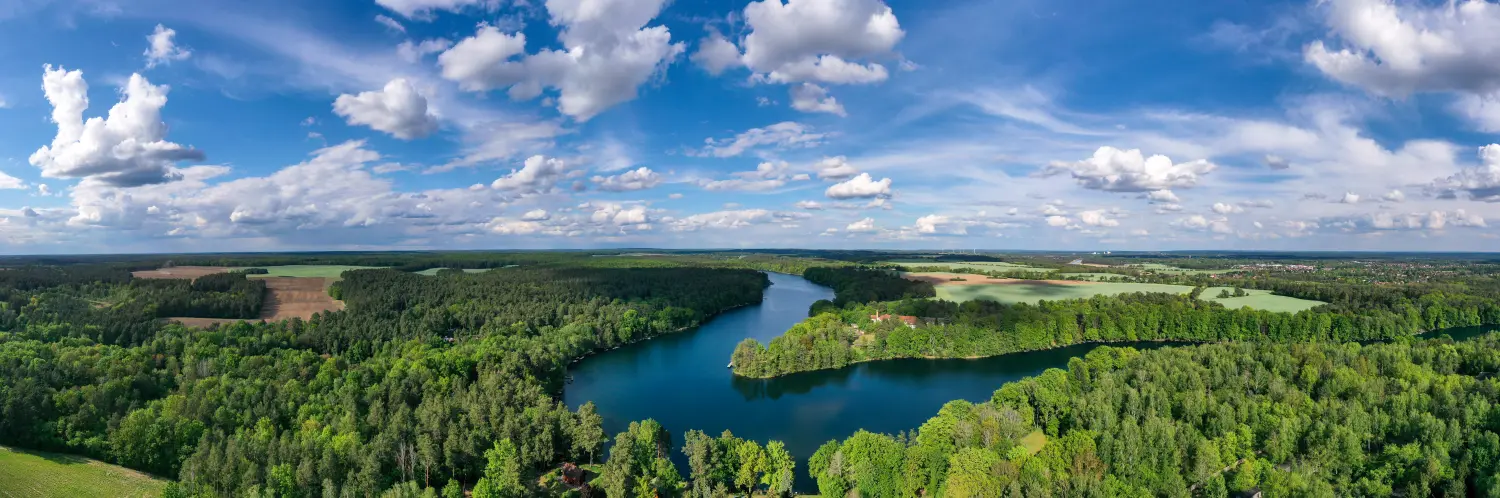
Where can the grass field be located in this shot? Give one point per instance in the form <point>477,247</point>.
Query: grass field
<point>1033,291</point>
<point>324,271</point>
<point>1034,442</point>
<point>1158,267</point>
<point>433,271</point>
<point>39,474</point>
<point>1093,276</point>
<point>1259,299</point>
<point>977,265</point>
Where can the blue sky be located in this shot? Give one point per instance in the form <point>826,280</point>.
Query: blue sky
<point>213,125</point>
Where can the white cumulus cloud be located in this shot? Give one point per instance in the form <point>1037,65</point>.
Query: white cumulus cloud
<point>638,179</point>
<point>398,109</point>
<point>836,168</point>
<point>715,54</point>
<point>860,187</point>
<point>539,174</point>
<point>1223,208</point>
<point>609,52</point>
<point>163,47</point>
<point>864,225</point>
<point>1116,170</point>
<point>127,148</point>
<point>808,97</point>
<point>819,40</point>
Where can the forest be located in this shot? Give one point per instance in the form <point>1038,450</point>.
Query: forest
<point>1417,418</point>
<point>412,387</point>
<point>449,385</point>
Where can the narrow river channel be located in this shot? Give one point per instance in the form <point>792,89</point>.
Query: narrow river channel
<point>682,381</point>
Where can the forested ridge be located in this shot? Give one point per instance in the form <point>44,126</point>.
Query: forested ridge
<point>407,389</point>
<point>1402,419</point>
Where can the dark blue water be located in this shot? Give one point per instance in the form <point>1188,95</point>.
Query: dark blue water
<point>682,381</point>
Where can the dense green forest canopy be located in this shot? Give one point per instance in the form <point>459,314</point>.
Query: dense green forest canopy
<point>410,386</point>
<point>1401,419</point>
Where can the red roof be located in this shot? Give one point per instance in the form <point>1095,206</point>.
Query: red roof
<point>910,320</point>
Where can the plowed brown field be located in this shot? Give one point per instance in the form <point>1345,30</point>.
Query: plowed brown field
<point>286,297</point>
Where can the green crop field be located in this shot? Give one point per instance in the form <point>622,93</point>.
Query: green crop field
<point>1259,299</point>
<point>1094,276</point>
<point>977,265</point>
<point>433,271</point>
<point>324,271</point>
<point>39,474</point>
<point>1032,292</point>
<point>1158,267</point>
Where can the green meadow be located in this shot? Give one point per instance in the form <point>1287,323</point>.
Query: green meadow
<point>1033,291</point>
<point>434,271</point>
<point>39,474</point>
<point>1259,299</point>
<point>977,265</point>
<point>323,271</point>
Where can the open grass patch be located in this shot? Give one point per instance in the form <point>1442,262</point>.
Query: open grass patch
<point>1259,299</point>
<point>1034,442</point>
<point>434,271</point>
<point>317,271</point>
<point>977,265</point>
<point>40,474</point>
<point>1094,277</point>
<point>1161,268</point>
<point>1031,291</point>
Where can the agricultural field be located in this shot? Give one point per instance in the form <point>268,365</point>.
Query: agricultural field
<point>181,272</point>
<point>433,271</point>
<point>977,265</point>
<point>1031,291</point>
<point>319,271</point>
<point>1094,277</point>
<point>39,474</point>
<point>1012,291</point>
<point>1161,268</point>
<point>1259,299</point>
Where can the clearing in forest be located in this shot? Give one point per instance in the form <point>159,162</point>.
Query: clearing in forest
<point>40,474</point>
<point>434,271</point>
<point>1161,268</point>
<point>314,271</point>
<point>974,265</point>
<point>1259,299</point>
<point>287,295</point>
<point>181,272</point>
<point>1011,291</point>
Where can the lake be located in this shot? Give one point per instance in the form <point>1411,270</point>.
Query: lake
<point>683,381</point>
